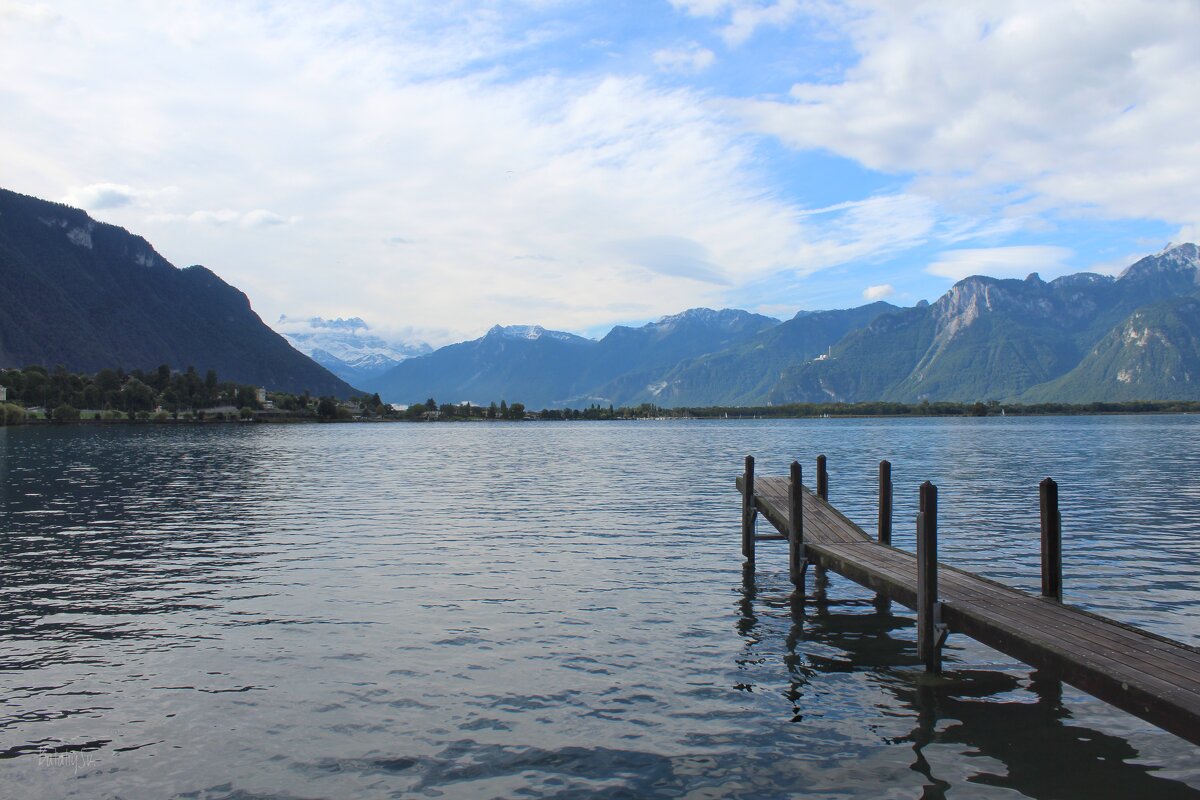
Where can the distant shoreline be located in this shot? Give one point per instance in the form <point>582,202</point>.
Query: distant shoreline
<point>714,413</point>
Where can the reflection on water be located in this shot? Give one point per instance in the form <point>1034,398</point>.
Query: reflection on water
<point>557,611</point>
<point>1015,719</point>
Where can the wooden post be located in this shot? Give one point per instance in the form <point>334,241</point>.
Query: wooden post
<point>822,479</point>
<point>797,563</point>
<point>748,510</point>
<point>1051,540</point>
<point>885,502</point>
<point>928,644</point>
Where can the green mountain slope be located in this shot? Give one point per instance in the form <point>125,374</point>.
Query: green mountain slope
<point>1152,355</point>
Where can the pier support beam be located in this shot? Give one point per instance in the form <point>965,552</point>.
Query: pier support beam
<point>885,502</point>
<point>931,633</point>
<point>748,511</point>
<point>823,493</point>
<point>1051,540</point>
<point>797,559</point>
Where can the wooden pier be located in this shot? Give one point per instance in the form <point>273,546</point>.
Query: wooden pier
<point>1150,676</point>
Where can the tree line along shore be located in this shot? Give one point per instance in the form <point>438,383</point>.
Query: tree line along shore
<point>35,394</point>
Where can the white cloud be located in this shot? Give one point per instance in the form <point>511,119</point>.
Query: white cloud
<point>742,17</point>
<point>99,196</point>
<point>105,196</point>
<point>258,218</point>
<point>878,292</point>
<point>261,218</point>
<point>27,13</point>
<point>1002,262</point>
<point>1023,105</point>
<point>690,59</point>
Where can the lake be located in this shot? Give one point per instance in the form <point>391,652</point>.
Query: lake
<point>560,610</point>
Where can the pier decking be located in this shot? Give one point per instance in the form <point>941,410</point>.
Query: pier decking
<point>1147,675</point>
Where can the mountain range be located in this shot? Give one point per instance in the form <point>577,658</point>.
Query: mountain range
<point>1077,338</point>
<point>86,295</point>
<point>347,347</point>
<point>542,368</point>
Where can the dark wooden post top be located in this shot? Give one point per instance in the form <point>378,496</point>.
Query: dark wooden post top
<point>748,510</point>
<point>928,645</point>
<point>1051,540</point>
<point>885,502</point>
<point>822,479</point>
<point>796,556</point>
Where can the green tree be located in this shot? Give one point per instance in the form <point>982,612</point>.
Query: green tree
<point>137,396</point>
<point>326,408</point>
<point>65,413</point>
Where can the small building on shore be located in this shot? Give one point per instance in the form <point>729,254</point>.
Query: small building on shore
<point>3,394</point>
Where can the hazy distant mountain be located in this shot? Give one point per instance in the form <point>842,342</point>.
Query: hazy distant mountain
<point>518,363</point>
<point>544,368</point>
<point>630,363</point>
<point>346,347</point>
<point>989,338</point>
<point>744,374</point>
<point>87,295</point>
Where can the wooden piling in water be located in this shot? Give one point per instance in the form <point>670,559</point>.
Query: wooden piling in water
<point>928,618</point>
<point>822,479</point>
<point>748,510</point>
<point>885,502</point>
<point>797,562</point>
<point>1051,540</point>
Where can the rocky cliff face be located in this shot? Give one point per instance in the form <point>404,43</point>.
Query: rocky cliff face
<point>992,339</point>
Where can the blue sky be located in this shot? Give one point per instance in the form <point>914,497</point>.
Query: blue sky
<point>437,168</point>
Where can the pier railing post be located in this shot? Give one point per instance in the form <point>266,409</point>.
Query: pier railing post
<point>797,560</point>
<point>1051,540</point>
<point>822,479</point>
<point>748,510</point>
<point>931,634</point>
<point>885,502</point>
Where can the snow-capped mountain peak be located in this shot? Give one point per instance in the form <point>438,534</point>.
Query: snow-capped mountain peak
<point>347,347</point>
<point>529,332</point>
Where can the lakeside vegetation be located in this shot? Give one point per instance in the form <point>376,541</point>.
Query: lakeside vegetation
<point>35,394</point>
<point>161,395</point>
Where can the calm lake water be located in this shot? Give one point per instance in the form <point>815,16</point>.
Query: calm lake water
<point>559,610</point>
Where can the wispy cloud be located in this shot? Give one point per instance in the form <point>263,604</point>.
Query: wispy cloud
<point>692,58</point>
<point>1002,262</point>
<point>741,18</point>
<point>105,196</point>
<point>878,292</point>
